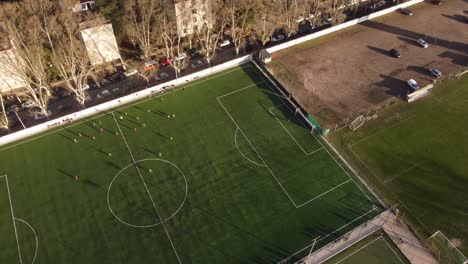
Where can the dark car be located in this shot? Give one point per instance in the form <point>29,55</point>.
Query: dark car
<point>406,11</point>
<point>436,2</point>
<point>394,53</point>
<point>116,77</point>
<point>63,92</point>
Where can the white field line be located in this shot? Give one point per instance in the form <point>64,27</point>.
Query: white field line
<point>466,259</point>
<point>124,107</point>
<point>336,230</point>
<point>399,123</point>
<point>235,141</point>
<point>403,172</point>
<point>345,171</point>
<point>35,237</point>
<point>250,143</point>
<point>389,189</point>
<point>391,248</point>
<point>357,250</point>
<point>289,133</point>
<point>147,190</point>
<point>322,194</point>
<point>13,217</point>
<point>266,165</point>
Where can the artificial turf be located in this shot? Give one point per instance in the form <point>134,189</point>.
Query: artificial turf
<point>217,171</point>
<point>377,248</point>
<point>415,155</point>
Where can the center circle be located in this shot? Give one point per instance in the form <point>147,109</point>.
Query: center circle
<point>147,193</point>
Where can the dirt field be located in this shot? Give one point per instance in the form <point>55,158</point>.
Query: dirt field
<point>350,72</point>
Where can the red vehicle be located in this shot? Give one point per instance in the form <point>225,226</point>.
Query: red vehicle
<point>166,62</point>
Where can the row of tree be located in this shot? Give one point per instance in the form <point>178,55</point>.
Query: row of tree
<point>151,25</point>
<point>47,41</point>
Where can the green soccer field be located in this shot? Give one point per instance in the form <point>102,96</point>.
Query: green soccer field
<point>217,171</point>
<point>415,154</point>
<point>377,248</point>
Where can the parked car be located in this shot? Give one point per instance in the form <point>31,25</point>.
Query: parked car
<point>13,108</point>
<point>63,92</point>
<point>327,21</point>
<point>422,43</point>
<point>28,104</point>
<point>40,116</point>
<point>193,52</point>
<point>150,65</point>
<point>166,62</point>
<point>161,75</point>
<point>413,84</point>
<point>130,73</point>
<point>196,64</point>
<point>436,2</point>
<point>395,53</point>
<point>116,77</point>
<point>103,93</point>
<point>181,56</point>
<point>85,87</point>
<point>435,72</point>
<point>406,11</point>
<point>224,43</point>
<point>277,37</point>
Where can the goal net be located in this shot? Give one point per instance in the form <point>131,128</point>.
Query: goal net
<point>445,250</point>
<point>359,121</point>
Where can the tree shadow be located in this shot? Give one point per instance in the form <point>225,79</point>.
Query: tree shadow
<point>394,86</point>
<point>409,41</point>
<point>456,58</point>
<point>418,69</point>
<point>456,17</point>
<point>453,45</point>
<point>378,50</point>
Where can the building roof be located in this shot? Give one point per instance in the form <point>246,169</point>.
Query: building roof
<point>100,43</point>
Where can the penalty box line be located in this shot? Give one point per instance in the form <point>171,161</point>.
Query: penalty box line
<point>289,133</point>
<point>345,171</point>
<point>264,162</point>
<point>13,217</point>
<point>146,187</point>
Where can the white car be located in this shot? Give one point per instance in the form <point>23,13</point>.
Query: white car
<point>181,56</point>
<point>422,43</point>
<point>224,43</point>
<point>277,37</point>
<point>28,104</point>
<point>161,75</point>
<point>103,94</point>
<point>40,116</point>
<point>413,84</point>
<point>130,73</point>
<point>435,72</point>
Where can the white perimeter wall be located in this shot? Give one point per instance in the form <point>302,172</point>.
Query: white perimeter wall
<point>142,94</point>
<point>341,26</point>
<point>120,101</point>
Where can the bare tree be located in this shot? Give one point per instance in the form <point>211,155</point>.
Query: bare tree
<point>238,11</point>
<point>69,55</point>
<point>335,9</point>
<point>289,14</point>
<point>28,58</point>
<point>265,20</point>
<point>170,37</point>
<point>313,11</point>
<point>140,23</point>
<point>211,28</point>
<point>4,122</point>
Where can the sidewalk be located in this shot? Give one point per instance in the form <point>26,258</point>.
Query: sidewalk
<point>396,229</point>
